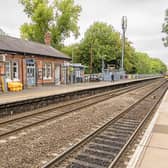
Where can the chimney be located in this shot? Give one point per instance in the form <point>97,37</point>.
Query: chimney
<point>47,38</point>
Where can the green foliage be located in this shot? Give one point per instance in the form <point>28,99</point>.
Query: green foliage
<point>105,42</point>
<point>100,41</point>
<point>60,18</point>
<point>129,58</point>
<point>73,51</point>
<point>147,65</point>
<point>143,65</point>
<point>157,66</point>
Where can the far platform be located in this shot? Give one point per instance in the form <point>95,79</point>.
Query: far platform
<point>152,152</point>
<point>42,91</point>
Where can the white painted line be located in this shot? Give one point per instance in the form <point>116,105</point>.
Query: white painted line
<point>132,163</point>
<point>12,137</point>
<point>3,141</point>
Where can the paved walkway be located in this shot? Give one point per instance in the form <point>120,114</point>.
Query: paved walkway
<point>152,152</point>
<point>42,91</point>
<point>50,90</point>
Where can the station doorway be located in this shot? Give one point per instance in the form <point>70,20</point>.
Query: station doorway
<point>31,72</point>
<point>57,74</point>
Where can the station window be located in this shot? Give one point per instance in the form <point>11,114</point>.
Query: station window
<point>47,71</point>
<point>12,70</point>
<point>15,70</point>
<point>8,70</point>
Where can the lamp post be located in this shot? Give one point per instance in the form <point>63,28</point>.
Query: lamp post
<point>102,64</point>
<point>72,70</point>
<point>91,59</point>
<point>72,55</point>
<point>72,64</point>
<point>103,67</point>
<point>124,27</point>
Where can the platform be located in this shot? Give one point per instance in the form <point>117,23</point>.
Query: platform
<point>41,91</point>
<point>152,152</point>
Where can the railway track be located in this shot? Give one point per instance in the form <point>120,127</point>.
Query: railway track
<point>104,147</point>
<point>17,124</point>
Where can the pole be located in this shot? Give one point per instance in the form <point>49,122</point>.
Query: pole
<point>124,27</point>
<point>102,68</point>
<point>91,59</point>
<point>71,72</point>
<point>72,55</point>
<point>102,65</point>
<point>123,50</point>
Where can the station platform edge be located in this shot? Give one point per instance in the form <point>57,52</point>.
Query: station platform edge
<point>43,91</point>
<point>152,151</point>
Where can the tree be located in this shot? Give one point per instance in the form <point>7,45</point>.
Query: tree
<point>60,18</point>
<point>129,59</point>
<point>158,66</point>
<point>72,51</point>
<point>165,29</point>
<point>100,41</point>
<point>143,64</point>
<point>147,65</point>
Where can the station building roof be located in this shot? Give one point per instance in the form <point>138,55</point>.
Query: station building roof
<point>15,45</point>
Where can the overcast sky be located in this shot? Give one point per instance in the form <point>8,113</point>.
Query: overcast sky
<point>145,18</point>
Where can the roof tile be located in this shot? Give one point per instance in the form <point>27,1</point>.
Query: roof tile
<point>13,44</point>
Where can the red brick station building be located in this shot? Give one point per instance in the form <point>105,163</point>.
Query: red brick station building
<point>32,63</point>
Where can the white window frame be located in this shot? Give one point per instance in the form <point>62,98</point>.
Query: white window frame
<point>8,70</point>
<point>47,71</point>
<point>16,75</point>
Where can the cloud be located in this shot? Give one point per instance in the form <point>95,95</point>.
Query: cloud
<point>12,17</point>
<point>145,18</point>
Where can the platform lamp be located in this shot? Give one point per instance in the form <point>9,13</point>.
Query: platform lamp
<point>124,27</point>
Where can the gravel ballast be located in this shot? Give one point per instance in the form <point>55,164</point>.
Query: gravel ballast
<point>34,147</point>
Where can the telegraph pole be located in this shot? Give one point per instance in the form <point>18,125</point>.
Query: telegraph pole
<point>91,59</point>
<point>72,55</point>
<point>102,64</point>
<point>124,27</point>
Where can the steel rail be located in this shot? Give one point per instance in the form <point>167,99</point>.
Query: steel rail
<point>8,108</point>
<point>112,94</point>
<point>114,162</point>
<point>57,160</point>
<point>71,103</point>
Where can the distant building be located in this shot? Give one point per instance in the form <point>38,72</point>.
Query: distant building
<point>32,63</point>
<point>77,72</point>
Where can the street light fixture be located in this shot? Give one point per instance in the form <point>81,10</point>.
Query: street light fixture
<point>124,27</point>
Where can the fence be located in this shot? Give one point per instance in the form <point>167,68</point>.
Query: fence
<point>106,76</point>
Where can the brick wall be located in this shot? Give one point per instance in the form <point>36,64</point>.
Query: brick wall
<point>39,62</point>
